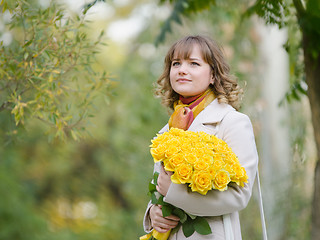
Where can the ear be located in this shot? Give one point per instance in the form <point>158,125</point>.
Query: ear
<point>212,79</point>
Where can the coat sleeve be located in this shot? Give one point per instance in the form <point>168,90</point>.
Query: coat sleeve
<point>236,130</point>
<point>146,220</point>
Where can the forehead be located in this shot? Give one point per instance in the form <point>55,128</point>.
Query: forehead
<point>186,49</point>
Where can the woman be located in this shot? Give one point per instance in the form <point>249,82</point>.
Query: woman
<point>196,84</point>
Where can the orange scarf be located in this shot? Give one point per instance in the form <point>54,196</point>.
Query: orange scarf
<point>185,111</point>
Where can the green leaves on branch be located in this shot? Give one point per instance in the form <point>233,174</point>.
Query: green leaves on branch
<point>49,70</point>
<point>272,11</point>
<point>279,12</point>
<point>295,92</point>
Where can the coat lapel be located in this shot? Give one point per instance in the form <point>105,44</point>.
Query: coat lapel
<point>208,120</point>
<point>164,129</point>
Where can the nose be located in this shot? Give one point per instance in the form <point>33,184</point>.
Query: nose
<point>183,69</point>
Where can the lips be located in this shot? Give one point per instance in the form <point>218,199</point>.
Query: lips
<point>183,80</point>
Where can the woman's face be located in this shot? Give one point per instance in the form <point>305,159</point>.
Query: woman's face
<point>192,76</point>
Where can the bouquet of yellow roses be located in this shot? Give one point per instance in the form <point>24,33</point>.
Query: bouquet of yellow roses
<point>198,159</point>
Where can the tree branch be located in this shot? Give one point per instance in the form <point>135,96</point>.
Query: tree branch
<point>4,106</point>
<point>299,7</point>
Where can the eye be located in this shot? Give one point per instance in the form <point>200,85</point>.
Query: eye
<point>175,63</point>
<point>195,64</point>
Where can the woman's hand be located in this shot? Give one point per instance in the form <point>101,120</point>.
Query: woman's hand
<point>160,223</point>
<point>164,181</point>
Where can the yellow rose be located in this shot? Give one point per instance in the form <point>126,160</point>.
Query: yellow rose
<point>221,180</point>
<point>201,182</point>
<point>158,153</point>
<point>202,164</point>
<point>199,145</point>
<point>240,175</point>
<point>231,158</point>
<point>210,146</point>
<point>208,150</point>
<point>182,174</point>
<point>185,146</point>
<point>204,137</point>
<point>160,139</point>
<point>191,158</point>
<point>199,152</point>
<point>173,142</point>
<point>221,146</point>
<point>218,162</point>
<point>208,158</point>
<point>171,150</point>
<point>229,169</point>
<point>174,161</point>
<point>177,132</point>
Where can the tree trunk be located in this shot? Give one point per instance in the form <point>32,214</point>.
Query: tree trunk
<point>312,69</point>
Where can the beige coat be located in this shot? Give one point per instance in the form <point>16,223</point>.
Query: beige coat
<point>236,130</point>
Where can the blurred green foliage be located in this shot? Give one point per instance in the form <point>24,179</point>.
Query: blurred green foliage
<point>53,79</point>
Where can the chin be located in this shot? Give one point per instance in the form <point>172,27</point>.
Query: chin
<point>186,93</point>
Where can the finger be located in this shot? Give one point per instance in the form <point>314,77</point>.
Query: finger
<point>158,211</point>
<point>172,225</point>
<point>169,173</point>
<point>158,189</point>
<point>161,230</point>
<point>165,224</point>
<point>173,218</point>
<point>164,171</point>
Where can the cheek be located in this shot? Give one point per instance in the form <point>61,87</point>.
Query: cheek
<point>171,77</point>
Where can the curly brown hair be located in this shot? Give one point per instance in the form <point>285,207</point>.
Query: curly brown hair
<point>225,86</point>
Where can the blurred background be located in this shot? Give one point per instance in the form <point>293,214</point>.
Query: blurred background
<point>77,112</point>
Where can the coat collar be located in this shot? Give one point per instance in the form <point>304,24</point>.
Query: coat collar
<point>213,113</point>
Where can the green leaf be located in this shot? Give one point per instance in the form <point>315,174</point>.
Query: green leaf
<point>152,187</point>
<point>301,89</point>
<point>28,43</point>
<point>295,95</point>
<point>176,229</point>
<point>202,226</point>
<point>188,228</point>
<point>161,202</point>
<point>181,214</point>
<point>191,216</point>
<point>38,78</point>
<point>167,210</point>
<point>154,199</point>
<point>155,178</point>
<point>74,135</point>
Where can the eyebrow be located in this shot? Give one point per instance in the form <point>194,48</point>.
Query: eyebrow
<point>199,59</point>
<point>192,59</point>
